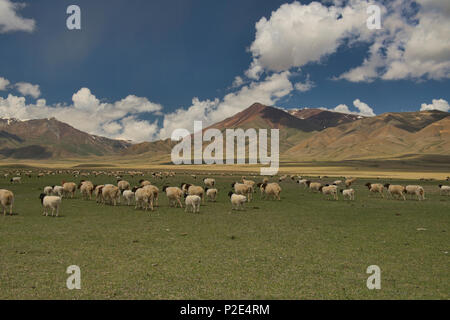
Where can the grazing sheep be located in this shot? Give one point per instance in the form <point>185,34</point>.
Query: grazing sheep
<point>69,188</point>
<point>6,199</point>
<point>243,189</point>
<point>265,180</point>
<point>444,189</point>
<point>193,201</point>
<point>282,178</point>
<point>250,183</point>
<point>128,195</point>
<point>48,190</point>
<point>237,200</point>
<point>143,183</point>
<point>302,182</point>
<point>211,194</point>
<point>416,190</point>
<point>395,190</point>
<point>314,186</point>
<point>16,180</point>
<point>50,202</point>
<point>123,185</point>
<point>349,182</point>
<point>272,190</point>
<point>209,182</point>
<point>110,194</point>
<point>329,190</point>
<point>348,194</point>
<point>57,191</point>
<point>98,193</point>
<point>86,189</point>
<point>375,188</point>
<point>261,189</point>
<point>197,191</point>
<point>144,198</point>
<point>155,191</point>
<point>174,195</point>
<point>337,182</point>
<point>184,187</point>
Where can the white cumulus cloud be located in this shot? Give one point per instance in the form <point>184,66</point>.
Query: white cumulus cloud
<point>4,83</point>
<point>119,119</point>
<point>28,89</point>
<point>268,91</point>
<point>363,109</point>
<point>11,21</point>
<point>437,104</point>
<point>412,44</point>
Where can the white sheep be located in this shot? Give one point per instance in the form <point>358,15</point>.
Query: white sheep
<point>237,200</point>
<point>110,194</point>
<point>416,190</point>
<point>209,182</point>
<point>6,199</point>
<point>211,194</point>
<point>444,189</point>
<point>395,190</point>
<point>69,188</point>
<point>197,191</point>
<point>128,195</point>
<point>243,189</point>
<point>50,202</point>
<point>348,194</point>
<point>57,191</point>
<point>193,201</point>
<point>375,188</point>
<point>302,182</point>
<point>329,190</point>
<point>144,198</point>
<point>48,190</point>
<point>16,180</point>
<point>272,189</point>
<point>174,195</point>
<point>314,186</point>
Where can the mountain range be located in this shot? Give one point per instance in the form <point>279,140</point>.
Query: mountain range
<point>305,135</point>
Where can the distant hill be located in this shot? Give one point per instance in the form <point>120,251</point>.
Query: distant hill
<point>47,138</point>
<point>305,135</point>
<point>384,136</point>
<point>323,119</point>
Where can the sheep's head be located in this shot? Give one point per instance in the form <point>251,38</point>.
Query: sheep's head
<point>387,185</point>
<point>264,185</point>
<point>232,185</point>
<point>320,188</point>
<point>135,189</point>
<point>368,185</point>
<point>440,186</point>
<point>142,180</point>
<point>308,182</point>
<point>164,188</point>
<point>341,191</point>
<point>259,184</point>
<point>230,194</point>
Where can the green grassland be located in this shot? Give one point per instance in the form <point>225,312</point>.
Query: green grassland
<point>302,247</point>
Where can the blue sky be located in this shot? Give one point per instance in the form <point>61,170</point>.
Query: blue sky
<point>166,53</point>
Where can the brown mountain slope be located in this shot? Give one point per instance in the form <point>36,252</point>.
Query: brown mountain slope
<point>384,136</point>
<point>257,116</point>
<point>45,138</point>
<point>264,117</point>
<point>323,119</point>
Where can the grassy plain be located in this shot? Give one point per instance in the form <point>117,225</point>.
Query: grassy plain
<point>302,247</point>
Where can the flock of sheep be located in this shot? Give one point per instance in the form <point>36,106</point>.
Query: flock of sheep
<point>145,194</point>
